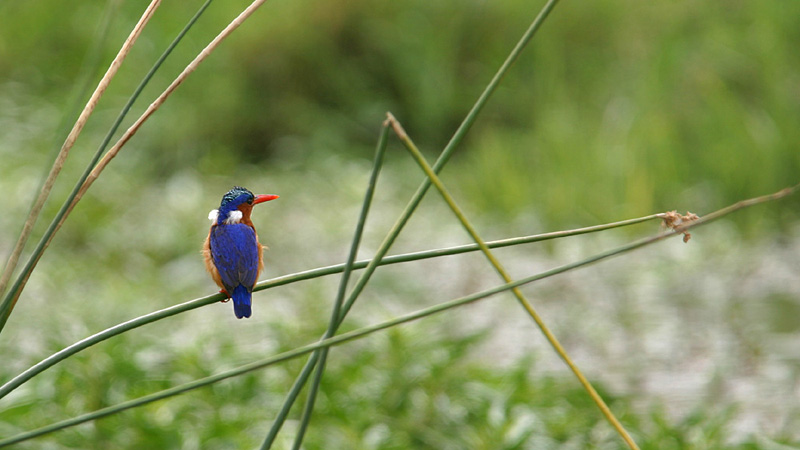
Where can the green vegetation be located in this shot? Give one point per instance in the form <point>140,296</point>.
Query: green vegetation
<point>400,391</point>
<point>614,111</point>
<point>655,106</point>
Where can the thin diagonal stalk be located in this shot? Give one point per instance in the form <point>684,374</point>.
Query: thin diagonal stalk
<point>84,83</point>
<point>458,136</point>
<point>492,86</point>
<point>302,377</point>
<point>101,165</point>
<point>108,333</point>
<point>76,192</point>
<point>337,306</point>
<point>98,169</point>
<point>551,338</point>
<point>361,332</point>
<point>89,66</point>
<point>58,220</point>
<point>191,67</point>
<point>289,279</point>
<point>11,264</point>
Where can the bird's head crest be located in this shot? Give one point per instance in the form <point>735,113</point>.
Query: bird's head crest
<point>235,197</point>
<point>229,209</point>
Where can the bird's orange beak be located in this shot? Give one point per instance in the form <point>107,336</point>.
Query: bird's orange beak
<point>264,198</point>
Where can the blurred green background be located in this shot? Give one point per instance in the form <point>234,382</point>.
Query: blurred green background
<point>615,110</point>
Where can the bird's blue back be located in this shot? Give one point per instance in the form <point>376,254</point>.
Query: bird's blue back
<point>235,249</point>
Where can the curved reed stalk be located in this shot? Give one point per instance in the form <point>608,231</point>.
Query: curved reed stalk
<point>155,316</point>
<point>12,294</point>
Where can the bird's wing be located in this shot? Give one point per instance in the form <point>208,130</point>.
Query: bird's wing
<point>234,249</point>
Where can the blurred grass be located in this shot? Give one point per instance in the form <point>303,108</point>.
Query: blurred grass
<point>617,110</point>
<point>401,391</point>
<point>646,103</point>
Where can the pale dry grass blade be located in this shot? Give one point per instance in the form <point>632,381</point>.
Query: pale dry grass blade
<point>13,259</point>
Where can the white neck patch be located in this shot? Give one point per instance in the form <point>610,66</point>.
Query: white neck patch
<point>234,216</point>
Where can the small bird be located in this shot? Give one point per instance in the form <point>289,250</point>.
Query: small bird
<point>232,252</point>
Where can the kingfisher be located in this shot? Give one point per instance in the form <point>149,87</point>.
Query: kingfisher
<point>232,252</point>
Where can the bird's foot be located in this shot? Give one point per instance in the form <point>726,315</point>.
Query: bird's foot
<point>227,296</point>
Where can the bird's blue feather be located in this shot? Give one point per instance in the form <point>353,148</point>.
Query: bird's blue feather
<point>234,249</point>
<point>241,301</point>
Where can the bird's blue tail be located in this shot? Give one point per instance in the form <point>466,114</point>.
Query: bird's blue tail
<point>241,301</point>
